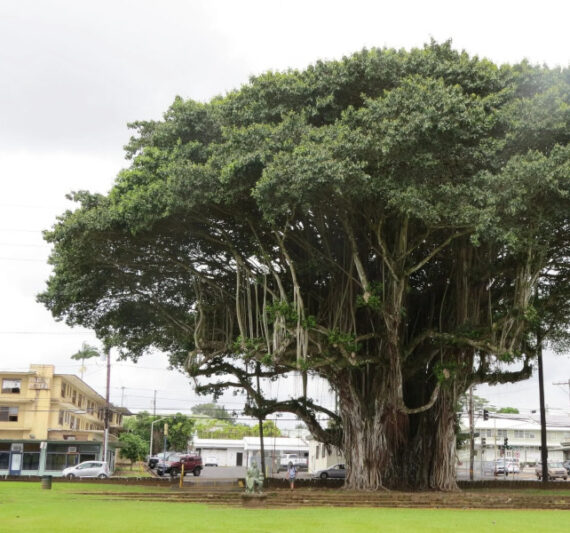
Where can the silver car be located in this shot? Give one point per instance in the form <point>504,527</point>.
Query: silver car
<point>555,470</point>
<point>337,471</point>
<point>99,469</point>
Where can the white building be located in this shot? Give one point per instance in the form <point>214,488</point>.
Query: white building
<point>523,438</point>
<point>322,456</point>
<point>234,452</point>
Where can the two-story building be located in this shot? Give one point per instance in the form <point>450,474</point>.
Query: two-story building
<point>50,421</point>
<point>522,435</point>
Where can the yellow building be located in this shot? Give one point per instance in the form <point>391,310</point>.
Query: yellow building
<point>50,421</point>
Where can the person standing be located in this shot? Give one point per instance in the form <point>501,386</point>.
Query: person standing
<point>291,473</point>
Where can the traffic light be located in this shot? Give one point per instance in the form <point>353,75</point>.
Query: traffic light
<point>485,414</point>
<point>483,442</point>
<point>506,443</point>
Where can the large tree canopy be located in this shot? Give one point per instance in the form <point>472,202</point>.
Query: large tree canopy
<point>383,221</point>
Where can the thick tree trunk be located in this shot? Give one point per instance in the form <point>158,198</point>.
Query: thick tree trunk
<point>430,456</point>
<point>374,430</point>
<point>386,448</point>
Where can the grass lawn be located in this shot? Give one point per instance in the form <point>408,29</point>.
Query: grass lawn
<point>26,507</point>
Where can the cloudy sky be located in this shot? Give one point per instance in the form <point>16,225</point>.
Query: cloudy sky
<point>73,73</point>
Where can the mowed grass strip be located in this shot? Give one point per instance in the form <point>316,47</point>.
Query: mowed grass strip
<point>26,507</point>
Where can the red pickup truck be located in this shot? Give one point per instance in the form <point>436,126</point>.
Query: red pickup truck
<point>191,462</point>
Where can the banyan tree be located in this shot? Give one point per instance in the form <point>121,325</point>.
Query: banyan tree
<point>383,221</point>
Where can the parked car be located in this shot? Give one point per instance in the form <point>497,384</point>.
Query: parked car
<point>566,464</point>
<point>336,471</point>
<point>98,469</point>
<point>512,467</point>
<point>555,470</point>
<point>300,463</point>
<point>153,460</point>
<point>211,461</point>
<point>173,465</point>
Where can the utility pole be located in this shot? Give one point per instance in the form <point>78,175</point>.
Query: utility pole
<point>154,404</point>
<point>107,405</point>
<point>260,419</point>
<point>543,445</point>
<point>471,434</point>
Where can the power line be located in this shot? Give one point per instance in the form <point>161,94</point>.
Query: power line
<point>46,332</point>
<point>21,259</point>
<point>20,245</point>
<point>15,230</point>
<point>29,206</point>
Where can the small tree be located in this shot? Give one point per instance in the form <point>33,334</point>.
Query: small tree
<point>508,410</point>
<point>213,410</point>
<point>134,448</point>
<point>180,429</point>
<point>86,352</point>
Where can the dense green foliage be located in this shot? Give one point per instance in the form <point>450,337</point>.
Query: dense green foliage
<point>213,410</point>
<point>133,447</point>
<point>395,222</point>
<point>220,429</point>
<point>180,430</point>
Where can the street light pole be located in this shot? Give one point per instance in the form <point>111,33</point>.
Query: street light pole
<point>152,433</point>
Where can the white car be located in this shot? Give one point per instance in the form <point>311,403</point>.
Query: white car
<point>211,461</point>
<point>98,469</point>
<point>512,467</point>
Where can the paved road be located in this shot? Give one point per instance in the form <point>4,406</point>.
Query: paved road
<point>239,472</point>
<point>527,474</point>
<point>234,472</point>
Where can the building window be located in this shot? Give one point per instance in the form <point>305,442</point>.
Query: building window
<point>11,386</point>
<point>63,390</point>
<point>501,433</point>
<point>59,461</point>
<point>529,435</point>
<point>31,461</point>
<point>60,418</point>
<point>519,434</point>
<point>73,397</point>
<point>31,458</point>
<point>8,414</point>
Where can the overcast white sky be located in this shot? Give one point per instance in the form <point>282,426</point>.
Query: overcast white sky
<point>73,74</point>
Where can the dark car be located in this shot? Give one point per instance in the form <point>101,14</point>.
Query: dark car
<point>336,471</point>
<point>155,459</point>
<point>174,465</point>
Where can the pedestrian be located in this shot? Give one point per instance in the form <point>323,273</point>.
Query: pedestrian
<point>291,473</point>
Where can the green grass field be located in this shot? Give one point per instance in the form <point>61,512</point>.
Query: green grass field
<point>26,507</point>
